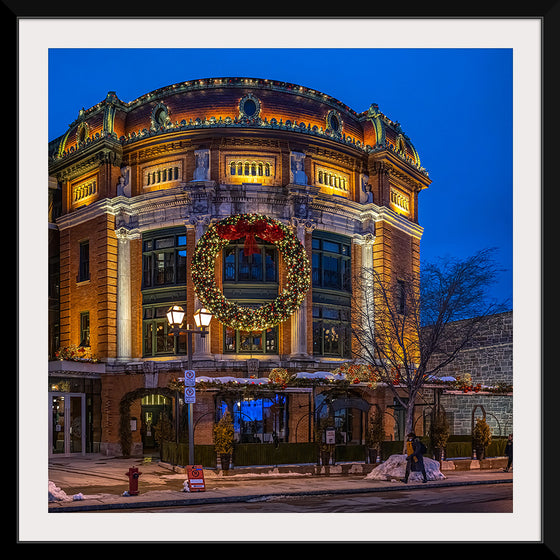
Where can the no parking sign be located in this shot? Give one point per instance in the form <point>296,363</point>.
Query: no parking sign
<point>195,476</point>
<point>190,395</point>
<point>190,382</point>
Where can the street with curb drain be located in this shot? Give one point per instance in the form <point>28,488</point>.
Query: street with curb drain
<point>100,483</point>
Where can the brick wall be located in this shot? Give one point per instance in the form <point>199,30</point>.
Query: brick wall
<point>98,294</point>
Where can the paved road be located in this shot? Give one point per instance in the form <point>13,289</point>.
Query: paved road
<point>489,498</point>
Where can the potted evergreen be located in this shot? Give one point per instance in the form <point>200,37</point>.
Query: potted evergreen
<point>325,449</point>
<point>481,437</point>
<point>375,435</point>
<point>223,439</point>
<point>439,434</point>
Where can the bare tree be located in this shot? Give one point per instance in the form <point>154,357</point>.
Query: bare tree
<point>410,327</point>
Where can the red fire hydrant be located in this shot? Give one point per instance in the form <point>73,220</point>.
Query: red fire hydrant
<point>133,475</point>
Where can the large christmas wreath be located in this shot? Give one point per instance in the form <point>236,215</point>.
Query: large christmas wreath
<point>250,226</point>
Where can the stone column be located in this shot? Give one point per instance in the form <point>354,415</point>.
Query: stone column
<point>124,315</point>
<point>366,242</point>
<point>201,344</point>
<point>299,317</point>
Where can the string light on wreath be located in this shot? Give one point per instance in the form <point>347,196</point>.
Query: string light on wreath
<point>250,226</point>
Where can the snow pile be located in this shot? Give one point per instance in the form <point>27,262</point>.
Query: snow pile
<point>229,379</point>
<point>263,380</point>
<point>395,466</point>
<point>56,494</point>
<point>320,375</point>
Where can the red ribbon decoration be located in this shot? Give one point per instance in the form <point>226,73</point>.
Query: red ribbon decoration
<point>243,228</point>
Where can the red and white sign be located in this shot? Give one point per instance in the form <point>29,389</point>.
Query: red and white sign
<point>190,378</point>
<point>190,395</point>
<point>195,476</point>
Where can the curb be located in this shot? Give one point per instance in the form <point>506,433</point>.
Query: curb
<point>261,496</point>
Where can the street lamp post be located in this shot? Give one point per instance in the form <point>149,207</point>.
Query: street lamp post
<point>202,318</point>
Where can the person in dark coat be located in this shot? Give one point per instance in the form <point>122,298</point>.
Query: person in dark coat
<point>415,457</point>
<point>509,452</point>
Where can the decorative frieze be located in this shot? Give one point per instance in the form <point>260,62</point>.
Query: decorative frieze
<point>165,173</point>
<point>400,200</point>
<point>84,190</point>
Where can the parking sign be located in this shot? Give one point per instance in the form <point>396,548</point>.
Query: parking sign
<point>190,395</point>
<point>190,378</point>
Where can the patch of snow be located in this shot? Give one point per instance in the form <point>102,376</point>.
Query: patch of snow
<point>229,379</point>
<point>319,375</point>
<point>56,494</point>
<point>395,467</point>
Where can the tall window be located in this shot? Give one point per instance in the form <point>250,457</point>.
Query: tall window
<point>259,267</point>
<point>83,270</point>
<point>164,280</point>
<point>256,342</point>
<point>331,293</point>
<point>331,331</point>
<point>164,260</point>
<point>250,281</point>
<point>331,264</point>
<point>157,337</point>
<point>84,328</point>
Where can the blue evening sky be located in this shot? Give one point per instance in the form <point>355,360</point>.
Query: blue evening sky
<point>454,104</point>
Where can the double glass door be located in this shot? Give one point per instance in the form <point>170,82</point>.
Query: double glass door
<point>67,432</point>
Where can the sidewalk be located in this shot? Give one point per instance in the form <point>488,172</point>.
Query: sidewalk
<point>101,481</point>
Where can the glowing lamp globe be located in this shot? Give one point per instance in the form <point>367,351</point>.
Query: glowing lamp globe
<point>175,315</point>
<point>202,318</point>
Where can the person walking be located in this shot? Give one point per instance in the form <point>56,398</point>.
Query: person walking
<point>415,450</point>
<point>509,452</point>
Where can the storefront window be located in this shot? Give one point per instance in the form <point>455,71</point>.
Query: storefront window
<point>258,420</point>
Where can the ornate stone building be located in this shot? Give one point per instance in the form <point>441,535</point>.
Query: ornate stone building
<point>140,183</point>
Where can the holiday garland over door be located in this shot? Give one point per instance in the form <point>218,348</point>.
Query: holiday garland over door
<point>250,226</point>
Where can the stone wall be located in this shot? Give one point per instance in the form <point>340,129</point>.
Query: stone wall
<point>489,356</point>
<point>459,408</point>
<point>488,359</point>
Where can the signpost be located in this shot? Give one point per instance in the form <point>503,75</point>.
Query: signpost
<point>190,399</point>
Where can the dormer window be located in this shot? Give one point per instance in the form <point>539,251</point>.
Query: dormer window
<point>249,107</point>
<point>82,133</point>
<point>334,122</point>
<point>160,116</point>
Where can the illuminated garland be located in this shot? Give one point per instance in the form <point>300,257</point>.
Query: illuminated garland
<point>216,237</point>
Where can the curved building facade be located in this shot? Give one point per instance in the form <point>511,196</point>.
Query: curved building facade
<point>139,184</point>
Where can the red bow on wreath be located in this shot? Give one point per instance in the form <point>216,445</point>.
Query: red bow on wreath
<point>243,228</point>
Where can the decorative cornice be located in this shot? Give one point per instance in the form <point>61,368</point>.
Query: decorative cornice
<point>373,114</point>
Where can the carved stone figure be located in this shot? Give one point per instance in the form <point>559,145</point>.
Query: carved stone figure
<point>202,161</point>
<point>296,165</point>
